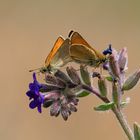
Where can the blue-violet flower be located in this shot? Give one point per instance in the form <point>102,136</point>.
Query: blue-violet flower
<point>34,95</point>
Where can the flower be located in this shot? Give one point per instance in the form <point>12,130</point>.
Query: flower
<point>63,100</point>
<point>123,60</point>
<point>34,95</point>
<point>60,92</point>
<point>64,105</point>
<point>114,68</point>
<point>108,50</point>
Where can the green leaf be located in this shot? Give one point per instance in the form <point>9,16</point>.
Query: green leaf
<point>102,86</point>
<point>109,78</point>
<point>104,107</point>
<point>136,131</point>
<point>85,75</point>
<point>83,94</point>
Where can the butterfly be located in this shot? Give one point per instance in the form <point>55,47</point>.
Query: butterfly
<point>58,56</point>
<point>81,52</point>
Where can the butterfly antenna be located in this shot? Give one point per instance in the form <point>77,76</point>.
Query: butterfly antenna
<point>34,70</point>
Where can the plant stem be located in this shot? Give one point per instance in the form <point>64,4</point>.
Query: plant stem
<point>95,92</point>
<point>118,113</point>
<point>122,120</point>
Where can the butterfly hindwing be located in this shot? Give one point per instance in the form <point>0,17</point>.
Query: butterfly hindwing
<point>62,56</point>
<point>82,54</point>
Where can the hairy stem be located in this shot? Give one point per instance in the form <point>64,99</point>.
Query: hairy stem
<point>118,113</point>
<point>123,122</point>
<point>96,92</point>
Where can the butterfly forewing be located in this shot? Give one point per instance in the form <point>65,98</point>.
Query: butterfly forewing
<point>76,38</point>
<point>54,50</point>
<point>82,52</point>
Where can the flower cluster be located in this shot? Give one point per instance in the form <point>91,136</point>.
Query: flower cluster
<point>116,65</point>
<point>60,92</point>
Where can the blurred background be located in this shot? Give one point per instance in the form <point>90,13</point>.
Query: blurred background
<point>28,30</point>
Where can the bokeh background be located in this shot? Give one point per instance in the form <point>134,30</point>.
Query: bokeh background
<point>28,29</point>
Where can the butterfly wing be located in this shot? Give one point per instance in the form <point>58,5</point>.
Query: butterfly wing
<point>76,38</point>
<point>55,48</point>
<point>62,56</point>
<point>59,54</point>
<point>82,54</point>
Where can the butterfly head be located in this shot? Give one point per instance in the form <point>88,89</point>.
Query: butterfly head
<point>42,70</point>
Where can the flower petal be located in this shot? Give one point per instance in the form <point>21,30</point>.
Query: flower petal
<point>33,104</point>
<point>65,114</point>
<point>31,94</point>
<point>55,109</point>
<point>34,76</point>
<point>34,86</point>
<point>73,75</point>
<point>55,81</point>
<point>39,108</point>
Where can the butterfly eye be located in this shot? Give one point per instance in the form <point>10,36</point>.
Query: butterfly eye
<point>104,60</point>
<point>43,70</point>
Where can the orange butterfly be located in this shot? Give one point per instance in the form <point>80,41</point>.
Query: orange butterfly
<point>81,52</point>
<point>58,57</point>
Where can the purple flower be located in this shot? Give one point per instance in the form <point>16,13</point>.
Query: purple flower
<point>34,95</point>
<point>62,100</point>
<point>60,104</point>
<point>60,92</point>
<point>123,60</point>
<point>108,50</point>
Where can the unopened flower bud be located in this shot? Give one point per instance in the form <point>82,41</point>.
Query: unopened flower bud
<point>73,108</point>
<point>55,109</point>
<point>114,66</point>
<point>136,131</point>
<point>73,75</point>
<point>116,94</point>
<point>123,59</point>
<point>65,114</point>
<point>102,86</point>
<point>106,65</point>
<point>53,95</point>
<point>131,81</point>
<point>48,88</point>
<point>85,75</point>
<point>52,80</point>
<point>47,103</point>
<point>62,75</point>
